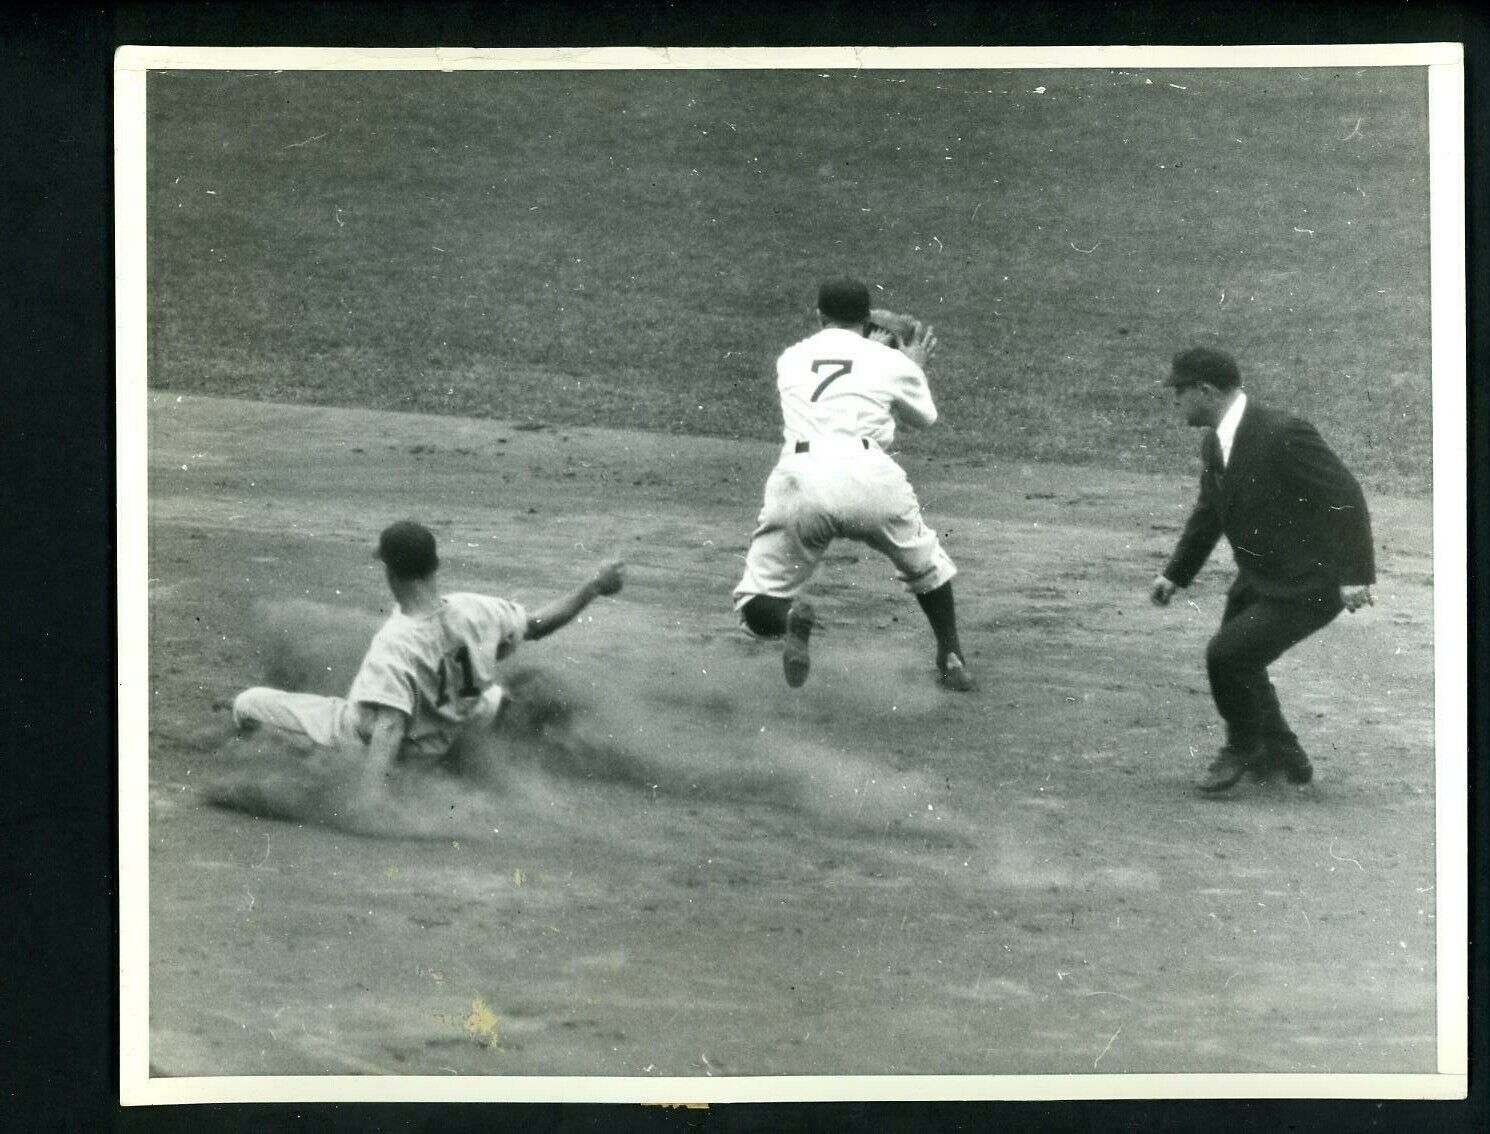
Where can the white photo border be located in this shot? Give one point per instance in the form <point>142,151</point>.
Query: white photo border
<point>1445,73</point>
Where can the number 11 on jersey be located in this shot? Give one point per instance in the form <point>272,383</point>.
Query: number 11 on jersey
<point>459,658</point>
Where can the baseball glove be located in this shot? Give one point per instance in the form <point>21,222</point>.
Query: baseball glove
<point>902,329</point>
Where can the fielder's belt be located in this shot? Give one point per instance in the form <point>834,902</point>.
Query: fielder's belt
<point>806,446</point>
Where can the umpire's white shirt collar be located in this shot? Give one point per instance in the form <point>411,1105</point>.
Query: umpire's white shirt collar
<point>1226,429</point>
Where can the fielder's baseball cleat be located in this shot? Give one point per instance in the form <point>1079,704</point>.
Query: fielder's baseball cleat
<point>954,675</point>
<point>795,662</point>
<point>1225,770</point>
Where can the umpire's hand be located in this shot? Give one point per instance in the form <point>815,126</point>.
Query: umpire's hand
<point>1353,598</point>
<point>1161,590</point>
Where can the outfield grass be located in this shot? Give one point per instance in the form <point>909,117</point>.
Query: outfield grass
<point>633,249</point>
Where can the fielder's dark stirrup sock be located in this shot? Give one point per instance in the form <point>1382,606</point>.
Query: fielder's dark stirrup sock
<point>941,612</point>
<point>794,659</point>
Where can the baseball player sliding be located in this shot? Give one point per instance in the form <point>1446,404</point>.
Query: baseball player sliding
<point>430,672</point>
<point>841,392</point>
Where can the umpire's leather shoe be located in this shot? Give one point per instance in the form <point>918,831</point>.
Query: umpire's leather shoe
<point>795,662</point>
<point>1225,770</point>
<point>1295,764</point>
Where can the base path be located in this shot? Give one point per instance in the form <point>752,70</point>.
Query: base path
<point>867,875</point>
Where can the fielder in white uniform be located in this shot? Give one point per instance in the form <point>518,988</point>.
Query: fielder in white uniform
<point>841,393</point>
<point>431,670</point>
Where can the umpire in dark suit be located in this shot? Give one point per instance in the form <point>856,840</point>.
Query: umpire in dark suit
<point>1298,526</point>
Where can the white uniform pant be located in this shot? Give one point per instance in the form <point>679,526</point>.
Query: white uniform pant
<point>839,490</point>
<point>333,722</point>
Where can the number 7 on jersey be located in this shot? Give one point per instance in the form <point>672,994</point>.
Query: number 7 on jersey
<point>844,365</point>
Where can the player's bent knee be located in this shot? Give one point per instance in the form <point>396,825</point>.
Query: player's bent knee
<point>246,705</point>
<point>254,707</point>
<point>930,580</point>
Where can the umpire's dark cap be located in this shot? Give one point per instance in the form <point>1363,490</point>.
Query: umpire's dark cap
<point>408,550</point>
<point>844,301</point>
<point>1202,364</point>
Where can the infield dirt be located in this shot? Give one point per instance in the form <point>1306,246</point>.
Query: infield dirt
<point>712,874</point>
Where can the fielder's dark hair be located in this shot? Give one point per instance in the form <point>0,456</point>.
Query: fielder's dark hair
<point>1202,364</point>
<point>844,301</point>
<point>408,550</point>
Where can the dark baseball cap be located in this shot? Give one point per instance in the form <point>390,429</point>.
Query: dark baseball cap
<point>408,550</point>
<point>844,301</point>
<point>1202,364</point>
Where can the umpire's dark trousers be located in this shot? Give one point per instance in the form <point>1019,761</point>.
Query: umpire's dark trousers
<point>1255,631</point>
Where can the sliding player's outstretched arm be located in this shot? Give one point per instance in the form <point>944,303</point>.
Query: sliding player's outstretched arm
<point>606,581</point>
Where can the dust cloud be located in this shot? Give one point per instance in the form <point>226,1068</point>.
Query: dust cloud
<point>618,707</point>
